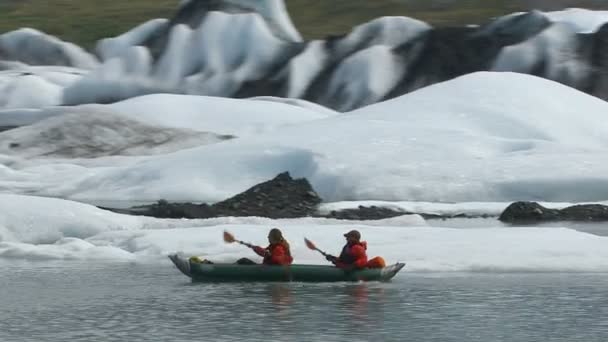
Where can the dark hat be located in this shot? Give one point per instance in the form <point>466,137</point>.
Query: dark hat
<point>353,233</point>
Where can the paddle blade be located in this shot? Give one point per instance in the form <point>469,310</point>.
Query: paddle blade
<point>310,245</point>
<point>228,238</point>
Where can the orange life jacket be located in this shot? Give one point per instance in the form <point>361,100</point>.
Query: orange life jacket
<point>353,255</point>
<point>278,254</point>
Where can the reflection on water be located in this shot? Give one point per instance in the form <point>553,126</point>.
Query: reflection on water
<point>281,295</point>
<point>85,302</point>
<point>352,298</point>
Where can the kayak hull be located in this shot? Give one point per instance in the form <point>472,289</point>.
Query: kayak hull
<point>203,272</point>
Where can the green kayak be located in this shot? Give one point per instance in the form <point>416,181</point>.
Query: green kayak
<point>203,272</point>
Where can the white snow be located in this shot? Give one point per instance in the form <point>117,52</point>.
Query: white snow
<point>177,61</point>
<point>34,228</point>
<point>297,102</point>
<point>16,91</point>
<point>384,31</point>
<point>378,70</point>
<point>215,58</point>
<point>34,47</point>
<point>114,80</point>
<point>424,249</point>
<point>581,20</point>
<point>39,220</point>
<point>489,137</point>
<point>220,115</point>
<point>555,49</point>
<point>238,117</point>
<point>114,47</point>
<point>137,62</point>
<point>27,116</point>
<point>27,87</point>
<point>305,67</point>
<point>367,52</point>
<point>275,13</point>
<point>497,134</point>
<point>230,49</point>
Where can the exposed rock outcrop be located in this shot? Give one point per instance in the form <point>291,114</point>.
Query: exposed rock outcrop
<point>532,212</point>
<point>365,213</point>
<point>281,197</point>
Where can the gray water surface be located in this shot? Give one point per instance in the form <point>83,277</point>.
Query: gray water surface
<point>132,302</point>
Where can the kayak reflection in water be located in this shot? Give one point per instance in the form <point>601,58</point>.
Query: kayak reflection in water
<point>353,255</point>
<point>277,252</point>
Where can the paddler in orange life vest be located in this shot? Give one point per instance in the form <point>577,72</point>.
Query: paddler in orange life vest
<point>277,252</point>
<point>354,254</point>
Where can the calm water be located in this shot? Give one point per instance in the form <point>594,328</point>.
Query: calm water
<point>128,302</point>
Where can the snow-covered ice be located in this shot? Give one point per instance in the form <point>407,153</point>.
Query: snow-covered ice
<point>581,20</point>
<point>38,229</point>
<point>490,137</point>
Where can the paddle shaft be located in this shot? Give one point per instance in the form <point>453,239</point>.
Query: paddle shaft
<point>320,251</point>
<point>245,243</point>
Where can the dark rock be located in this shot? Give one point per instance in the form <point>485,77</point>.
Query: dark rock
<point>522,212</point>
<point>586,212</point>
<point>281,197</point>
<point>6,128</point>
<point>528,212</point>
<point>597,45</point>
<point>164,209</point>
<point>365,213</point>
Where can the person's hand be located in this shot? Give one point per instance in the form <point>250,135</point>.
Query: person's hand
<point>260,250</point>
<point>331,258</point>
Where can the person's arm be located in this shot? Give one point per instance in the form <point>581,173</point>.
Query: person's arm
<point>331,259</point>
<point>260,251</point>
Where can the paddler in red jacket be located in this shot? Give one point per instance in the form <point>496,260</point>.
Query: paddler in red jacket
<point>353,254</point>
<point>277,252</point>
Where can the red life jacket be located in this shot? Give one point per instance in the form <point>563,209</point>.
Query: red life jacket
<point>279,254</point>
<point>353,255</point>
